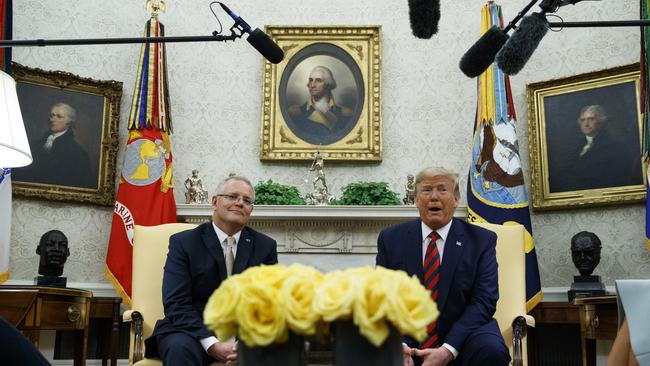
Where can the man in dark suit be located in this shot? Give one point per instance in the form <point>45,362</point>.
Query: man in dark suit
<point>58,158</point>
<point>197,262</point>
<point>320,120</point>
<point>598,159</point>
<point>461,272</point>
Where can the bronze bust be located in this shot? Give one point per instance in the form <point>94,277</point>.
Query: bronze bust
<point>585,252</point>
<point>53,249</point>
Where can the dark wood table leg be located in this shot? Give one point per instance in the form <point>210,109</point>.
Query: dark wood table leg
<point>81,347</point>
<point>115,333</point>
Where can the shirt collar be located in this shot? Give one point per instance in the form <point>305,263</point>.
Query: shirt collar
<point>443,232</point>
<point>330,101</point>
<point>223,236</point>
<point>55,135</point>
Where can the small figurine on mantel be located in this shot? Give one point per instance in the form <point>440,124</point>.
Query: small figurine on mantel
<point>409,187</point>
<point>585,253</point>
<point>195,193</point>
<point>320,194</point>
<point>54,251</point>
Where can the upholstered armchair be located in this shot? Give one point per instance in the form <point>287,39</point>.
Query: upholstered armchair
<point>150,245</point>
<point>511,307</point>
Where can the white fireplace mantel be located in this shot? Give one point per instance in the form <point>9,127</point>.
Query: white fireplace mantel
<point>326,237</point>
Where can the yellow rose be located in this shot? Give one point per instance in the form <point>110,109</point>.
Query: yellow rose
<point>370,306</point>
<point>261,315</point>
<point>334,297</point>
<point>219,313</point>
<point>272,275</point>
<point>410,307</point>
<point>297,292</point>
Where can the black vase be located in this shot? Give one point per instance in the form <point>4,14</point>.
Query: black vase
<point>290,353</point>
<point>351,348</point>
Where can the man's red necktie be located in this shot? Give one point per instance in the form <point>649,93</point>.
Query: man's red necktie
<point>431,278</point>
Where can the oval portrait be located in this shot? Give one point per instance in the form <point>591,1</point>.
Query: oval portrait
<point>321,94</point>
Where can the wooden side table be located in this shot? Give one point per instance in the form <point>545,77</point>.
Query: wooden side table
<point>596,316</point>
<point>32,309</point>
<point>108,307</point>
<point>598,320</point>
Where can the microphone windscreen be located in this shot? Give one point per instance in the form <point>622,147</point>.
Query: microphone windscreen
<point>481,55</point>
<point>524,41</point>
<point>424,16</point>
<point>265,45</point>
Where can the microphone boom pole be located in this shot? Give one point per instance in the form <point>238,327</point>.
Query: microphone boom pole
<point>95,41</point>
<point>601,23</point>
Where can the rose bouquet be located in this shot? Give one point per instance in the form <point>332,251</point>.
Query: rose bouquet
<point>262,304</point>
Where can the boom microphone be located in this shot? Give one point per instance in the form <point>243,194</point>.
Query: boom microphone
<point>258,39</point>
<point>524,41</point>
<point>424,16</point>
<point>479,57</point>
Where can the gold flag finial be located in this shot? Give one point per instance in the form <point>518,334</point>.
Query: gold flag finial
<point>155,6</point>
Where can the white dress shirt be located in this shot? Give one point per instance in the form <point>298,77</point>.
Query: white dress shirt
<point>209,341</point>
<point>443,232</point>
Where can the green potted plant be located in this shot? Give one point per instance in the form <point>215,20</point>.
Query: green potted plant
<point>367,194</point>
<point>272,193</point>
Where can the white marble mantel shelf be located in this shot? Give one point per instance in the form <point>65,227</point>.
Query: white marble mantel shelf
<point>270,212</point>
<point>333,236</point>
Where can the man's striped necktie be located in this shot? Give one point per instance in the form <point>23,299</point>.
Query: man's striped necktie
<point>431,279</point>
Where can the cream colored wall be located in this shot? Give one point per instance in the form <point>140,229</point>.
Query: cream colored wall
<point>428,107</point>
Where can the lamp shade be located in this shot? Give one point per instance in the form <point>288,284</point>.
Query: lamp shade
<point>14,146</point>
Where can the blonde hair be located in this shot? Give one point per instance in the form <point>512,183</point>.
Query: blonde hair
<point>435,171</point>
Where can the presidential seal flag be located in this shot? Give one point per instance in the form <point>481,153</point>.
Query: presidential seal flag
<point>645,107</point>
<point>495,188</point>
<point>145,193</point>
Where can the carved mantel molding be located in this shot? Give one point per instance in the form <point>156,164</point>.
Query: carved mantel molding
<point>318,229</point>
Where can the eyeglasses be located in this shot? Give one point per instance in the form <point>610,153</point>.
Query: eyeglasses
<point>234,198</point>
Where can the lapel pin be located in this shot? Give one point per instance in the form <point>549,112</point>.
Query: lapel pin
<point>248,240</point>
<point>459,243</point>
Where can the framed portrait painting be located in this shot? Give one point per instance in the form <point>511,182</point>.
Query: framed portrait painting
<point>324,96</point>
<point>585,139</point>
<point>71,123</point>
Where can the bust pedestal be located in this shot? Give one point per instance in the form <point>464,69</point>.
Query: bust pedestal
<point>51,281</point>
<point>586,286</point>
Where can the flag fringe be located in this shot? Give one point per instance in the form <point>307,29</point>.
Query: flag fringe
<point>533,301</point>
<point>4,277</point>
<point>117,286</point>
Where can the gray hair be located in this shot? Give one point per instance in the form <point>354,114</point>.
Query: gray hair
<point>435,171</point>
<point>598,110</point>
<point>328,76</point>
<point>71,112</point>
<point>240,178</point>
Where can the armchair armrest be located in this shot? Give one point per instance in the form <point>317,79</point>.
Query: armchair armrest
<point>137,321</point>
<point>519,328</point>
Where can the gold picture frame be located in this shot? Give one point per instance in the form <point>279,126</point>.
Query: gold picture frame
<point>79,164</point>
<point>350,129</point>
<point>571,170</point>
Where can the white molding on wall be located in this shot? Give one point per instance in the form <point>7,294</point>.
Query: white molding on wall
<point>300,212</point>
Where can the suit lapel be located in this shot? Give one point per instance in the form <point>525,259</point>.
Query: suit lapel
<point>450,257</point>
<point>244,250</point>
<point>413,253</point>
<point>213,246</point>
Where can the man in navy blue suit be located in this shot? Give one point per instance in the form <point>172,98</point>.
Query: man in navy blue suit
<point>467,282</point>
<point>198,260</point>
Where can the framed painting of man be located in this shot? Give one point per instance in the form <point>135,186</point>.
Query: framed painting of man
<point>324,96</point>
<point>71,123</point>
<point>585,139</point>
